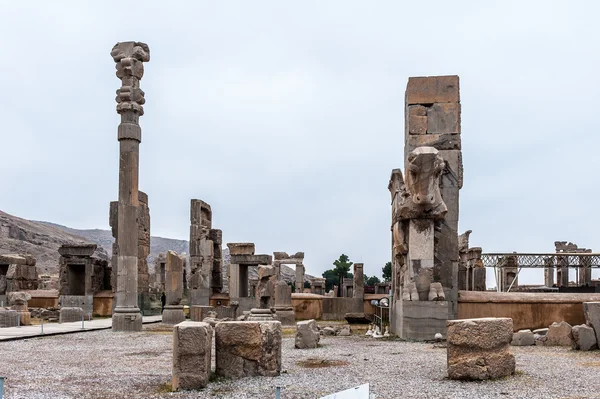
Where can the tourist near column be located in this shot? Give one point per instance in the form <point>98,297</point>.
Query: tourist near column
<point>129,57</point>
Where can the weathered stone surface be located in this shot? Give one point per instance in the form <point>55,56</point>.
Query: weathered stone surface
<point>478,349</point>
<point>437,141</point>
<point>68,315</point>
<point>173,314</point>
<point>307,335</point>
<point>584,338</point>
<point>541,331</point>
<point>443,118</point>
<point>328,331</point>
<point>432,89</point>
<point>192,344</point>
<point>591,311</point>
<point>9,318</point>
<point>344,331</point>
<point>523,338</point>
<point>241,248</point>
<point>417,125</point>
<point>559,334</point>
<point>245,348</point>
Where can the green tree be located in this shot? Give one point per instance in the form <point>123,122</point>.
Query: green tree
<point>372,280</point>
<point>387,272</point>
<point>341,270</point>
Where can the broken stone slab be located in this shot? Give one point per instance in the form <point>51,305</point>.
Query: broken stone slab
<point>241,248</point>
<point>69,315</point>
<point>479,349</point>
<point>523,338</point>
<point>541,331</point>
<point>591,311</point>
<point>344,331</point>
<point>247,348</point>
<point>329,331</point>
<point>584,338</point>
<point>307,335</point>
<point>192,343</point>
<point>358,318</point>
<point>559,334</point>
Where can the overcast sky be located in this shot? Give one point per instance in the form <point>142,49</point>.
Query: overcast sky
<point>288,117</point>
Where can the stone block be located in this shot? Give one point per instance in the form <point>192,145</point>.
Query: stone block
<point>438,141</point>
<point>198,313</point>
<point>417,124</point>
<point>422,320</point>
<point>443,118</point>
<point>591,311</point>
<point>9,318</point>
<point>432,89</point>
<point>584,338</point>
<point>68,315</point>
<point>478,349</point>
<point>192,343</point>
<point>559,334</point>
<point>246,348</point>
<point>173,314</point>
<point>241,248</point>
<point>307,335</point>
<point>417,110</point>
<point>359,318</point>
<point>523,338</point>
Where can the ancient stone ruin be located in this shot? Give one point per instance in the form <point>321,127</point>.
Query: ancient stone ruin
<point>17,273</point>
<point>81,275</point>
<point>248,348</point>
<point>206,259</point>
<point>129,58</point>
<point>175,267</point>
<point>479,349</point>
<point>317,286</point>
<point>297,259</point>
<point>18,301</point>
<point>192,347</point>
<point>243,257</point>
<point>425,250</point>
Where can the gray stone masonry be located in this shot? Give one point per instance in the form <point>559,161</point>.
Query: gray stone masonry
<point>192,344</point>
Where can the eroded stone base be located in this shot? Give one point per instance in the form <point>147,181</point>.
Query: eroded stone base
<point>287,317</point>
<point>173,315</point>
<point>130,321</point>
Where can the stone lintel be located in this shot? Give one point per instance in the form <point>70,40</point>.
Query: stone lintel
<point>241,248</point>
<point>79,250</point>
<point>251,260</point>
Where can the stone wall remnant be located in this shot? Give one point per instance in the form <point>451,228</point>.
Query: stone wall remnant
<point>192,346</point>
<point>358,289</point>
<point>591,311</point>
<point>175,267</point>
<point>70,314</point>
<point>479,349</point>
<point>317,286</point>
<point>248,348</point>
<point>18,301</point>
<point>143,253</point>
<point>17,273</point>
<point>297,259</point>
<point>129,58</point>
<point>242,256</point>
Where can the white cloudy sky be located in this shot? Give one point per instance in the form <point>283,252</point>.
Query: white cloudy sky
<point>288,117</point>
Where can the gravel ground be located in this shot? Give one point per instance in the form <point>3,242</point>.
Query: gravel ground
<point>103,364</point>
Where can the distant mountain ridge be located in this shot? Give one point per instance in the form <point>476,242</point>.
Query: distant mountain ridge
<point>42,240</point>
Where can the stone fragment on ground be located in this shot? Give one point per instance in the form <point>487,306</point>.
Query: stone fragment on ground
<point>248,348</point>
<point>328,331</point>
<point>523,338</point>
<point>559,334</point>
<point>584,338</point>
<point>591,311</point>
<point>192,343</point>
<point>307,335</point>
<point>479,349</point>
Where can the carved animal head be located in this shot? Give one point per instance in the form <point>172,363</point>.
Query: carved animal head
<point>424,169</point>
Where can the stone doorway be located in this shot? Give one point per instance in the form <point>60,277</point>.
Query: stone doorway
<point>76,279</point>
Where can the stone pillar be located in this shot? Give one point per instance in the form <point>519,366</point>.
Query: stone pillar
<point>432,118</point>
<point>216,236</point>
<point>585,270</point>
<point>192,345</point>
<point>129,58</point>
<point>549,271</point>
<point>300,278</point>
<point>175,268</point>
<point>359,281</point>
<point>563,271</point>
<point>143,252</point>
<point>421,254</point>
<point>201,252</point>
<point>284,310</point>
<point>234,280</point>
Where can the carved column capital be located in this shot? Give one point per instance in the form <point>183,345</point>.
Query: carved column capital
<point>130,58</point>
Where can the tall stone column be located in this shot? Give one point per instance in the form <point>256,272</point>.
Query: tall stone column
<point>129,58</point>
<point>359,281</point>
<point>299,278</point>
<point>173,312</point>
<point>143,253</point>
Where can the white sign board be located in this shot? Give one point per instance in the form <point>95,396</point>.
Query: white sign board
<point>359,392</point>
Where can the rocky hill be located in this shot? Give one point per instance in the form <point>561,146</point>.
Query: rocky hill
<point>42,240</point>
